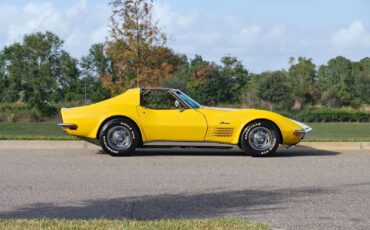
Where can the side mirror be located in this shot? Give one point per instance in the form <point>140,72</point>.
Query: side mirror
<point>178,105</point>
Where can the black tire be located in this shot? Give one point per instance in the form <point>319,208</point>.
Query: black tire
<point>119,137</point>
<point>260,139</point>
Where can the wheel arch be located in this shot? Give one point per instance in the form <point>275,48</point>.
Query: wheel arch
<point>120,117</point>
<point>261,119</point>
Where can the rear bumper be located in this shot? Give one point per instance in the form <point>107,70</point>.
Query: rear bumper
<point>68,126</point>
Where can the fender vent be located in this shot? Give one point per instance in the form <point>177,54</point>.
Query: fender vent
<point>222,132</point>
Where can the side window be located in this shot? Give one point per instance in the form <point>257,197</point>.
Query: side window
<point>158,99</point>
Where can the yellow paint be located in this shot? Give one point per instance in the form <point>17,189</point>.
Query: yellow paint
<point>172,125</point>
<point>203,124</point>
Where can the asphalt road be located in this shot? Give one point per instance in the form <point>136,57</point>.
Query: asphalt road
<point>296,189</point>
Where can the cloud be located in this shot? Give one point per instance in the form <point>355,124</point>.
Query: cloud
<point>79,25</point>
<point>171,20</point>
<point>261,42</point>
<point>354,36</point>
<point>214,36</point>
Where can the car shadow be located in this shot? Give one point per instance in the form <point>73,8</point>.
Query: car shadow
<point>204,204</point>
<point>300,151</point>
<point>303,151</point>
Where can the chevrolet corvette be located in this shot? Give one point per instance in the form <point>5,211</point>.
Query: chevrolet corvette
<point>162,117</point>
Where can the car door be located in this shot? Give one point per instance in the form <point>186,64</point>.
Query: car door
<point>164,118</point>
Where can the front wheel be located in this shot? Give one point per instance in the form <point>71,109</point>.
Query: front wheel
<point>119,137</point>
<point>260,139</point>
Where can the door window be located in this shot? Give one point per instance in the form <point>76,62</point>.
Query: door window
<point>158,99</point>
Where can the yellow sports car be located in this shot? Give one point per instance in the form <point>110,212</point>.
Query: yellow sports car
<point>162,117</point>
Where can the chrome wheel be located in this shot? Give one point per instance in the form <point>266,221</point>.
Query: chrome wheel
<point>260,138</point>
<point>119,138</point>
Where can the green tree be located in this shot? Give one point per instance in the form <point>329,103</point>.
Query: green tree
<point>337,82</point>
<point>181,76</point>
<point>38,71</point>
<point>303,79</point>
<point>362,81</point>
<point>3,78</point>
<point>274,88</point>
<point>204,81</point>
<point>93,66</point>
<point>209,83</point>
<point>236,77</point>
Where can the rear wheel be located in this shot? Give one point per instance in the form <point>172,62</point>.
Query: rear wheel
<point>260,139</point>
<point>119,137</point>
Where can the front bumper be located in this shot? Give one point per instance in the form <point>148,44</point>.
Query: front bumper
<point>303,131</point>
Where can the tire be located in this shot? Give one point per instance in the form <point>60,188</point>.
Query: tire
<point>260,139</point>
<point>119,137</point>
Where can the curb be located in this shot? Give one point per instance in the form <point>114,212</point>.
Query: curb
<point>76,145</point>
<point>336,145</point>
<point>47,145</point>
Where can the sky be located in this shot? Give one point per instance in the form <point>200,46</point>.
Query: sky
<point>263,34</point>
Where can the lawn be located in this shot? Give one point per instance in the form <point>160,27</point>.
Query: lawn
<point>220,224</point>
<point>32,131</point>
<point>50,131</point>
<point>339,132</point>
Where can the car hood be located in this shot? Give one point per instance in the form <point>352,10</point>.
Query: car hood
<point>219,109</point>
<point>232,113</point>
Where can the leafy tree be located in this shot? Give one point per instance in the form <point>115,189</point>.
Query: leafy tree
<point>273,87</point>
<point>362,81</point>
<point>236,76</point>
<point>181,76</point>
<point>68,80</point>
<point>337,82</point>
<point>209,83</point>
<point>303,76</point>
<point>136,48</point>
<point>3,78</point>
<point>38,71</point>
<point>93,66</point>
<point>204,81</point>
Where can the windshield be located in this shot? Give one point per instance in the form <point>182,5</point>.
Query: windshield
<point>188,100</point>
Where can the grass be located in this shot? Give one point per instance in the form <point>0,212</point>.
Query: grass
<point>219,224</point>
<point>50,131</point>
<point>333,132</point>
<point>32,131</point>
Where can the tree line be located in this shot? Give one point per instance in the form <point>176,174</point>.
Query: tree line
<point>39,73</point>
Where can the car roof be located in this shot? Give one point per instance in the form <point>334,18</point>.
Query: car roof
<point>158,88</point>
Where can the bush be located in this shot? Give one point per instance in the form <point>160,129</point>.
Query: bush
<point>329,115</point>
<point>14,112</point>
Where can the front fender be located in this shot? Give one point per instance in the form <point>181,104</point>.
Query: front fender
<point>286,126</point>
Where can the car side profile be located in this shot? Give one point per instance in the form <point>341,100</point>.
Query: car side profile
<point>162,117</point>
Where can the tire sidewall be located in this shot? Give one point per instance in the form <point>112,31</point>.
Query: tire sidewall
<point>274,135</point>
<point>124,123</point>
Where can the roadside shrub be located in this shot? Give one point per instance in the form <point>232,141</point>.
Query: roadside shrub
<point>12,118</point>
<point>3,118</point>
<point>329,115</point>
<point>36,114</point>
<point>15,112</point>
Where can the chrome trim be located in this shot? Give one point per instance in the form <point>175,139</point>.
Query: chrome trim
<point>260,138</point>
<point>305,128</point>
<point>68,125</point>
<point>187,144</point>
<point>304,131</point>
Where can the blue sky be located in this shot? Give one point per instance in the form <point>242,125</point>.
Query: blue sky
<point>261,33</point>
